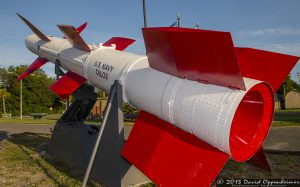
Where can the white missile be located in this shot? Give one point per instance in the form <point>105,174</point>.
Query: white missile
<point>204,110</point>
<point>191,78</point>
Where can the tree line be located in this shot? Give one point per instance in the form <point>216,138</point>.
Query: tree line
<point>37,98</point>
<point>287,86</point>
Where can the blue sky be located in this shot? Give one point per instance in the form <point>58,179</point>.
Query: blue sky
<point>266,24</point>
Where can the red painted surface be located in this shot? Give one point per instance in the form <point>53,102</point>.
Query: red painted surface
<point>195,54</point>
<point>170,156</point>
<point>67,84</point>
<point>251,122</point>
<point>121,43</point>
<point>267,66</point>
<point>34,66</point>
<point>260,160</point>
<point>81,28</point>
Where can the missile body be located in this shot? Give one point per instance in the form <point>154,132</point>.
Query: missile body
<point>210,112</point>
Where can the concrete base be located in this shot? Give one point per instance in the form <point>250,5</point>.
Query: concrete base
<point>74,144</point>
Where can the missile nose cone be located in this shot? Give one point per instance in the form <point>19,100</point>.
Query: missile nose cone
<point>32,42</point>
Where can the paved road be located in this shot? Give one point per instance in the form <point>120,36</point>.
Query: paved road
<point>279,138</point>
<point>283,139</point>
<point>20,128</point>
<point>44,129</point>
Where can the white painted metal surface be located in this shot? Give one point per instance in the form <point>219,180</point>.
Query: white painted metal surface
<point>204,110</point>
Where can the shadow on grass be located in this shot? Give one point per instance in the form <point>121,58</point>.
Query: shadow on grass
<point>34,144</point>
<point>3,135</point>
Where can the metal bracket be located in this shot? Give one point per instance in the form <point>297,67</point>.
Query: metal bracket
<point>84,100</point>
<point>58,72</point>
<point>110,175</point>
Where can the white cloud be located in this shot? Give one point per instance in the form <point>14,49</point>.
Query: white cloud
<point>286,48</point>
<point>282,39</point>
<point>281,31</point>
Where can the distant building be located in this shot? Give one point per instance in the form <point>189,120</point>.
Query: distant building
<point>99,107</point>
<point>277,102</point>
<point>292,100</point>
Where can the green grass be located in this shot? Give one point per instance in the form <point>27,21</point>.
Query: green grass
<point>285,124</point>
<point>283,120</point>
<point>289,110</point>
<point>26,121</point>
<point>94,122</point>
<point>44,121</point>
<point>50,119</point>
<point>24,162</point>
<point>294,118</point>
<point>128,123</point>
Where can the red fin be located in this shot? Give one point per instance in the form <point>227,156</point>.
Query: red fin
<point>267,66</point>
<point>34,66</point>
<point>121,43</point>
<point>81,28</point>
<point>67,84</point>
<point>73,37</point>
<point>260,160</point>
<point>170,156</point>
<point>195,54</point>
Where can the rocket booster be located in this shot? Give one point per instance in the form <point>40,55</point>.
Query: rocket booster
<point>194,80</point>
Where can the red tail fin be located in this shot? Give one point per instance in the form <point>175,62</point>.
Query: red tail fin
<point>121,43</point>
<point>81,28</point>
<point>67,84</point>
<point>34,66</point>
<point>200,55</point>
<point>170,156</point>
<point>260,160</point>
<point>267,66</point>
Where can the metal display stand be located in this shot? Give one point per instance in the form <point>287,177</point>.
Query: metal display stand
<point>80,108</point>
<point>92,149</point>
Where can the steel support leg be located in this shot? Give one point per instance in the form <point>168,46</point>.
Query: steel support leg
<point>111,140</point>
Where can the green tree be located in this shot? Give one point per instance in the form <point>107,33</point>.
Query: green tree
<point>36,94</point>
<point>295,86</point>
<point>287,86</point>
<point>127,109</point>
<point>4,94</point>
